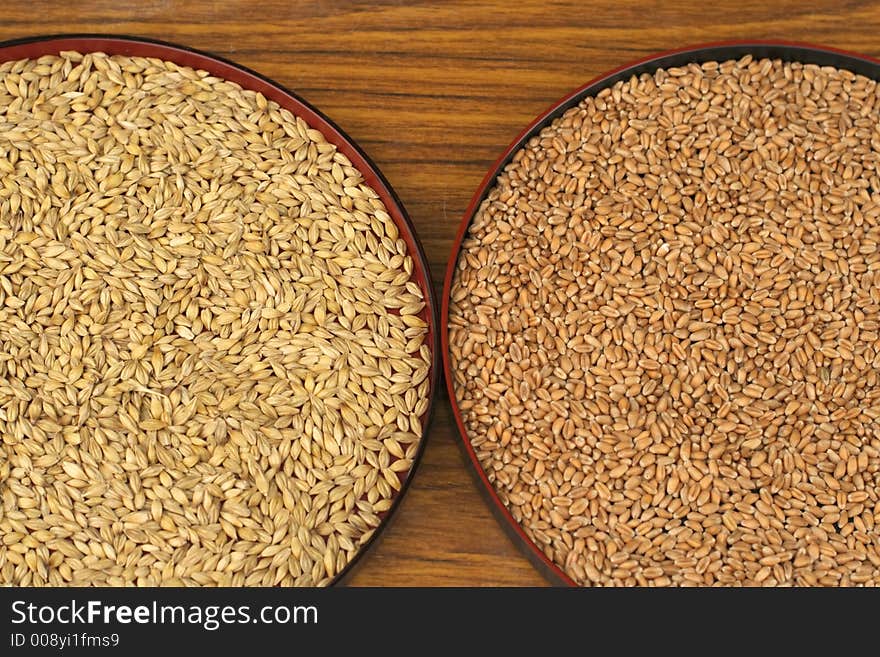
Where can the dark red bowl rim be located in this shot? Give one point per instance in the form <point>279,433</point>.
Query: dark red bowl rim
<point>716,51</point>
<point>36,46</point>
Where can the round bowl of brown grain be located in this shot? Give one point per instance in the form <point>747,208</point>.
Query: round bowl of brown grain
<point>218,327</point>
<point>660,324</point>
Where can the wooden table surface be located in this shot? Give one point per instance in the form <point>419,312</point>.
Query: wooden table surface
<point>434,92</point>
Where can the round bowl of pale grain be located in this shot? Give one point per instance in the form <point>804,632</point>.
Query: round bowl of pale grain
<point>660,324</point>
<point>219,334</point>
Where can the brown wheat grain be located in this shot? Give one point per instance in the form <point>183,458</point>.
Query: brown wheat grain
<point>664,330</point>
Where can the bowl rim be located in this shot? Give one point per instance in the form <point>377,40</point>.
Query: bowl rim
<point>798,51</point>
<point>247,78</point>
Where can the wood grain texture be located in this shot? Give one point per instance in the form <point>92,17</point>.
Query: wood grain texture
<point>434,92</point>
